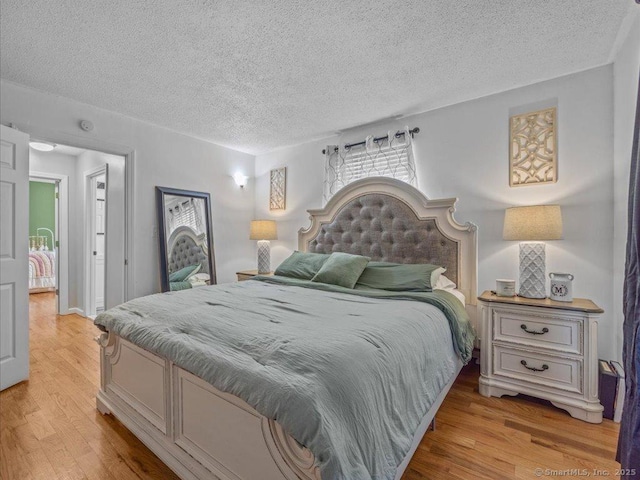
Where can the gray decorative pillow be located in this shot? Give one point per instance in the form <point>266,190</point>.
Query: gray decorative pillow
<point>302,265</point>
<point>341,269</point>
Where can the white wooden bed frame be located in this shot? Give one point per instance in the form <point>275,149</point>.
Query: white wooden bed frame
<point>203,433</point>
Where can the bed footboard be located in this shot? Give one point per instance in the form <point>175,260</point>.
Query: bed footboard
<point>197,430</point>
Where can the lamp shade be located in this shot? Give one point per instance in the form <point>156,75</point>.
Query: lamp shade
<point>263,230</point>
<point>537,222</point>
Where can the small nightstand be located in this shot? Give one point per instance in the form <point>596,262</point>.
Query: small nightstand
<point>542,348</point>
<point>249,274</point>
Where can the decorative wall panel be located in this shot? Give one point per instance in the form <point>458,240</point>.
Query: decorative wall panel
<point>533,148</point>
<point>278,191</point>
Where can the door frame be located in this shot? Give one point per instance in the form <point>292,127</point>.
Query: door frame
<point>129,155</point>
<point>62,236</point>
<point>88,286</point>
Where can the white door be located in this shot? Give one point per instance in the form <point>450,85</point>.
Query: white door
<point>14,260</point>
<point>95,226</point>
<point>98,232</point>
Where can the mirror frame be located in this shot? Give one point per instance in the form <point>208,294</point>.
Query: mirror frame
<point>164,261</point>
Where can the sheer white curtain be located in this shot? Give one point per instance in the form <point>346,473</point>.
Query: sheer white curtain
<point>188,213</point>
<point>391,157</point>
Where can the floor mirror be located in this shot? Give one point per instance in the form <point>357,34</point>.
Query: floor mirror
<point>186,239</point>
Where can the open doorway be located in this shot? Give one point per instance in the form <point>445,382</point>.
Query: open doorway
<point>80,243</point>
<point>44,227</point>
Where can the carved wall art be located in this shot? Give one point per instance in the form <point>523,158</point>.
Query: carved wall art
<point>278,191</point>
<point>533,158</point>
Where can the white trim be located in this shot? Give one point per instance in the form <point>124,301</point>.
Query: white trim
<point>75,311</point>
<point>62,236</point>
<point>129,201</point>
<point>90,143</point>
<point>41,179</point>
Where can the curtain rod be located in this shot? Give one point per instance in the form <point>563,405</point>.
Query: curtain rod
<point>399,133</point>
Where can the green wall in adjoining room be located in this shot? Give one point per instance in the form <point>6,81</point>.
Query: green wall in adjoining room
<point>42,209</point>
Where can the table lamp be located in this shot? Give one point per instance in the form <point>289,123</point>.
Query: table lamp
<point>263,231</point>
<point>531,225</point>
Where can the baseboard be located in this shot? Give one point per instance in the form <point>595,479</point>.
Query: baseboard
<point>76,311</point>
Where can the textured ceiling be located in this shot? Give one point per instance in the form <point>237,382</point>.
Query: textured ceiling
<point>256,75</point>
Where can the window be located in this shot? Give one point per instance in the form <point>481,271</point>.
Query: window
<point>390,156</point>
<point>184,213</point>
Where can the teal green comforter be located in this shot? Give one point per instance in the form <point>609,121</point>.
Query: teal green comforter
<point>462,332</point>
<point>349,374</point>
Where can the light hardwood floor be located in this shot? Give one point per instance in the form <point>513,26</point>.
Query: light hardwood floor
<point>50,428</point>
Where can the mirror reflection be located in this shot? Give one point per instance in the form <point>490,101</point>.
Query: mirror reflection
<point>186,239</point>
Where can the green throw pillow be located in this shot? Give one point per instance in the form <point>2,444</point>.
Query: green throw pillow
<point>176,286</point>
<point>341,269</point>
<point>302,265</point>
<point>400,277</point>
<point>184,273</point>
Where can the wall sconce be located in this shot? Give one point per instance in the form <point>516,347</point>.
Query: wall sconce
<point>240,179</point>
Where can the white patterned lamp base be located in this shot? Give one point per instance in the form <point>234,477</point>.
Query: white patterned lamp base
<point>264,256</point>
<point>532,270</point>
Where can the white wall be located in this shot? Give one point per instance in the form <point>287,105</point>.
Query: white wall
<point>162,157</point>
<point>462,151</point>
<point>305,170</point>
<point>625,87</point>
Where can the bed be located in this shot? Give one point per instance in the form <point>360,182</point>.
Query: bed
<point>42,263</point>
<point>203,424</point>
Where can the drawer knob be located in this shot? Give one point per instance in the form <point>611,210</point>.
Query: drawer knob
<point>534,332</point>
<point>534,369</point>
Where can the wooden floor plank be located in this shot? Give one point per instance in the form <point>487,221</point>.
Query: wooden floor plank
<point>49,427</point>
<point>61,460</point>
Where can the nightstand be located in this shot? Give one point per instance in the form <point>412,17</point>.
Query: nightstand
<point>542,348</point>
<point>249,274</point>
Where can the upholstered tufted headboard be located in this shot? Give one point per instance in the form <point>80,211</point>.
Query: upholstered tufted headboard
<point>186,248</point>
<point>391,221</point>
<point>386,229</point>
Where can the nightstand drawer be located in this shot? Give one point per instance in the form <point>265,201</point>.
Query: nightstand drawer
<point>534,367</point>
<point>544,331</point>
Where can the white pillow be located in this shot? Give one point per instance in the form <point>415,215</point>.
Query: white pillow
<point>198,278</point>
<point>443,283</point>
<point>435,276</point>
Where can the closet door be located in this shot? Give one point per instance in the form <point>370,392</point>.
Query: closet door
<point>14,260</point>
